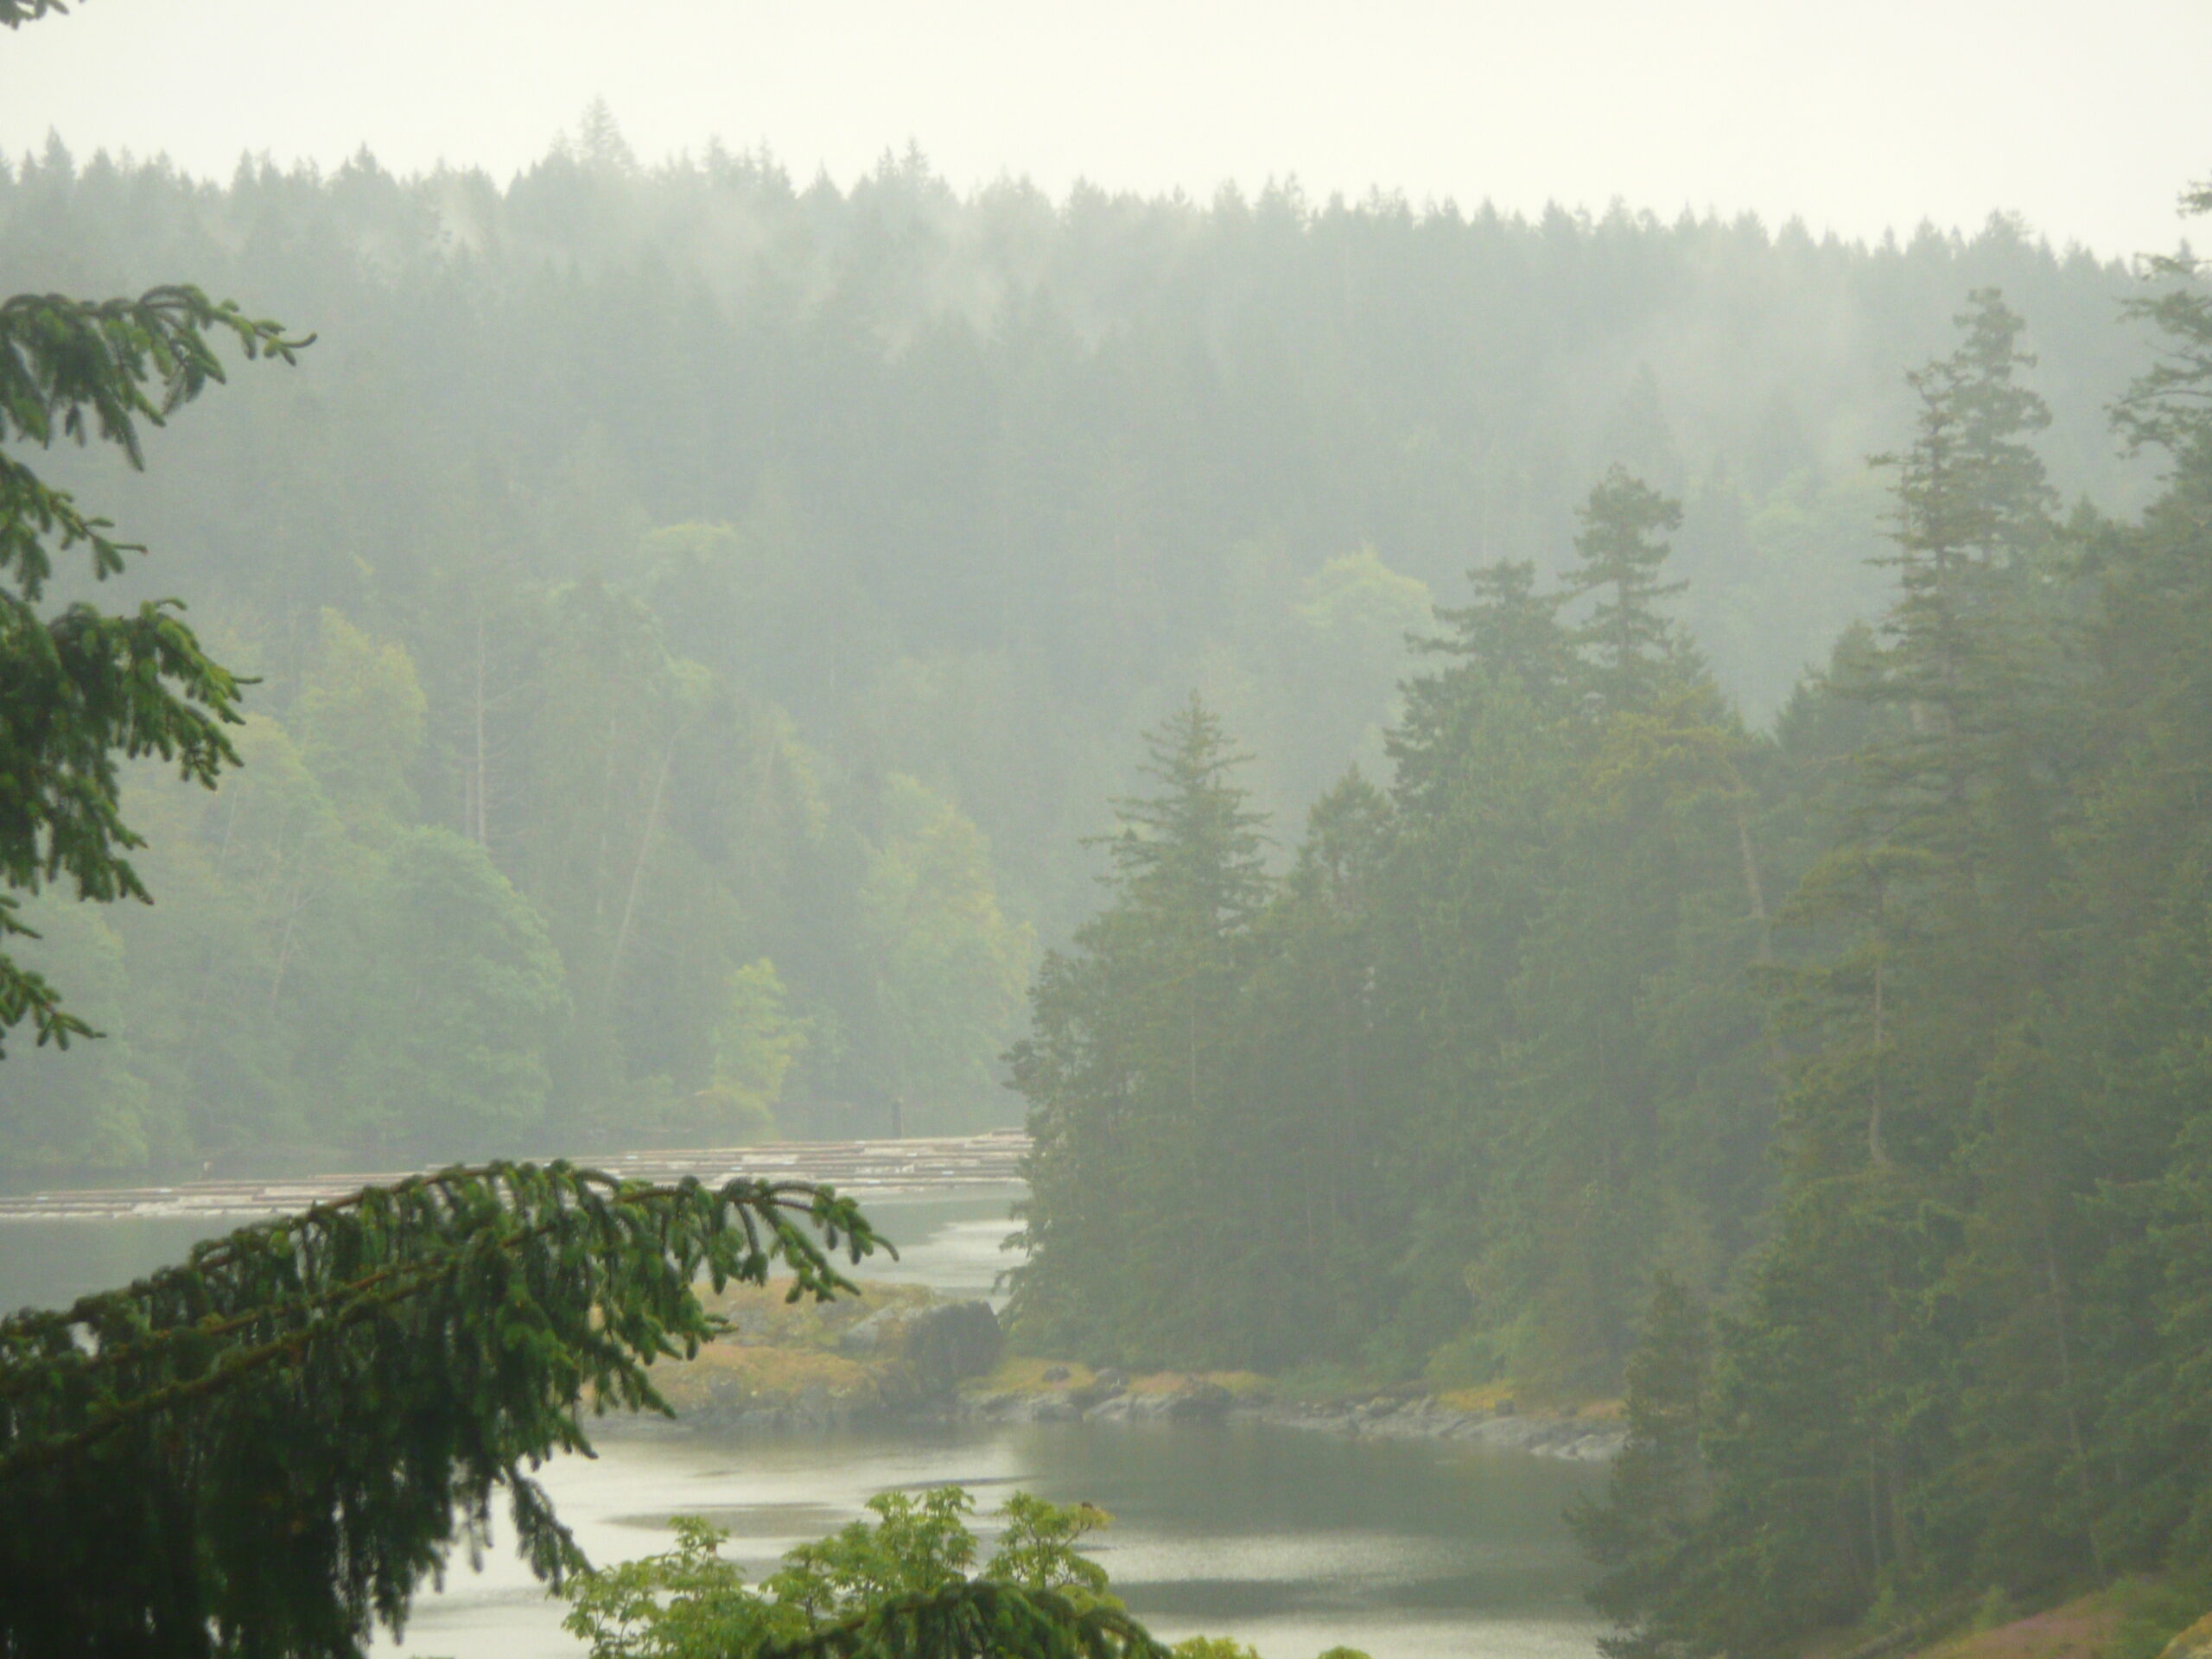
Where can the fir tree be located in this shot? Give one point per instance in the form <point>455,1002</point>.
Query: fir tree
<point>1620,554</point>
<point>1658,1491</point>
<point>1129,1058</point>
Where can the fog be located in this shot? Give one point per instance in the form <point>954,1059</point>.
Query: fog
<point>1484,730</point>
<point>1859,118</point>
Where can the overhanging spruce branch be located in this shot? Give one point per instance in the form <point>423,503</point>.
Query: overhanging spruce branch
<point>102,369</point>
<point>267,1294</point>
<point>82,687</point>
<point>288,1432</point>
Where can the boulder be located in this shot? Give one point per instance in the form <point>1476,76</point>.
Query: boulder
<point>943,1346</point>
<point>1200,1402</point>
<point>948,1344</point>
<point>1098,1390</point>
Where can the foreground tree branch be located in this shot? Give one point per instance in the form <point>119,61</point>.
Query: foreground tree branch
<point>267,1448</point>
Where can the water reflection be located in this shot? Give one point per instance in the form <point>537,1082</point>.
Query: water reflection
<point>1292,1541</point>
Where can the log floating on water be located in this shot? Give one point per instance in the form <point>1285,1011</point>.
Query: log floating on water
<point>923,1166</point>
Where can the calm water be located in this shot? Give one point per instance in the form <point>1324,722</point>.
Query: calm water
<point>1292,1541</point>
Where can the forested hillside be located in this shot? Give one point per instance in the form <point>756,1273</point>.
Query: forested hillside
<point>1840,1088</point>
<point>698,615</point>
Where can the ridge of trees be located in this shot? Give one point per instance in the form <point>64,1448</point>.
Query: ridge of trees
<point>754,657</point>
<point>1839,1089</point>
<point>1968,1354</point>
<point>1506,1002</point>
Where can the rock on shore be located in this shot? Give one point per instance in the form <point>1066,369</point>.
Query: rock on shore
<point>898,1353</point>
<point>1108,1397</point>
<point>890,1352</point>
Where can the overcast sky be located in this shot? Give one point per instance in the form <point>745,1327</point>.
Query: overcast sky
<point>2086,118</point>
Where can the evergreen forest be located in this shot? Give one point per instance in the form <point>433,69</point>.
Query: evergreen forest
<point>691,619</point>
<point>1835,1085</point>
<point>1571,808</point>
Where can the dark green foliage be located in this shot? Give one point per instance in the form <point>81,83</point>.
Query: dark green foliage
<point>1618,560</point>
<point>1124,1068</point>
<point>1660,1489</point>
<point>1970,1352</point>
<point>1511,991</point>
<point>268,1449</point>
<point>1941,946</point>
<point>979,1619</point>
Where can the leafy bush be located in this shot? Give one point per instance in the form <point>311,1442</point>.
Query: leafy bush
<point>897,1582</point>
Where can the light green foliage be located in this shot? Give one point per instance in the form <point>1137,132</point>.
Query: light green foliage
<point>852,1593</point>
<point>1355,614</point>
<point>453,1006</point>
<point>1037,1548</point>
<point>755,1046</point>
<point>1359,611</point>
<point>950,967</point>
<point>226,970</point>
<point>86,1107</point>
<point>358,715</point>
<point>689,1601</point>
<point>918,1542</point>
<point>1215,1647</point>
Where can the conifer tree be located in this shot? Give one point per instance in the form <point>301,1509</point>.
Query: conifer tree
<point>1128,1056</point>
<point>1897,1388</point>
<point>1509,635</point>
<point>1619,556</point>
<point>1973,507</point>
<point>1658,1489</point>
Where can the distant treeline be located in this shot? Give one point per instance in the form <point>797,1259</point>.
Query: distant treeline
<point>700,614</point>
<point>1846,1089</point>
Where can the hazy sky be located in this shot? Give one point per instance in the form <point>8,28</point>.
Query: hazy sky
<point>2086,118</point>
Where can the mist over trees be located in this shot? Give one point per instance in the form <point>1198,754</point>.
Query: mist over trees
<point>1574,807</point>
<point>1838,1089</point>
<point>696,616</point>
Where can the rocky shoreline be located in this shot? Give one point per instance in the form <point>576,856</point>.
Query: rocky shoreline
<point>892,1356</point>
<point>1109,1399</point>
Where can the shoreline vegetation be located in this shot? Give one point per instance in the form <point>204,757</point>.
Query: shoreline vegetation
<point>1749,956</point>
<point>905,1353</point>
<point>2136,1617</point>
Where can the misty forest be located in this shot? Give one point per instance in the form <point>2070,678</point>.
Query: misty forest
<point>1581,841</point>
